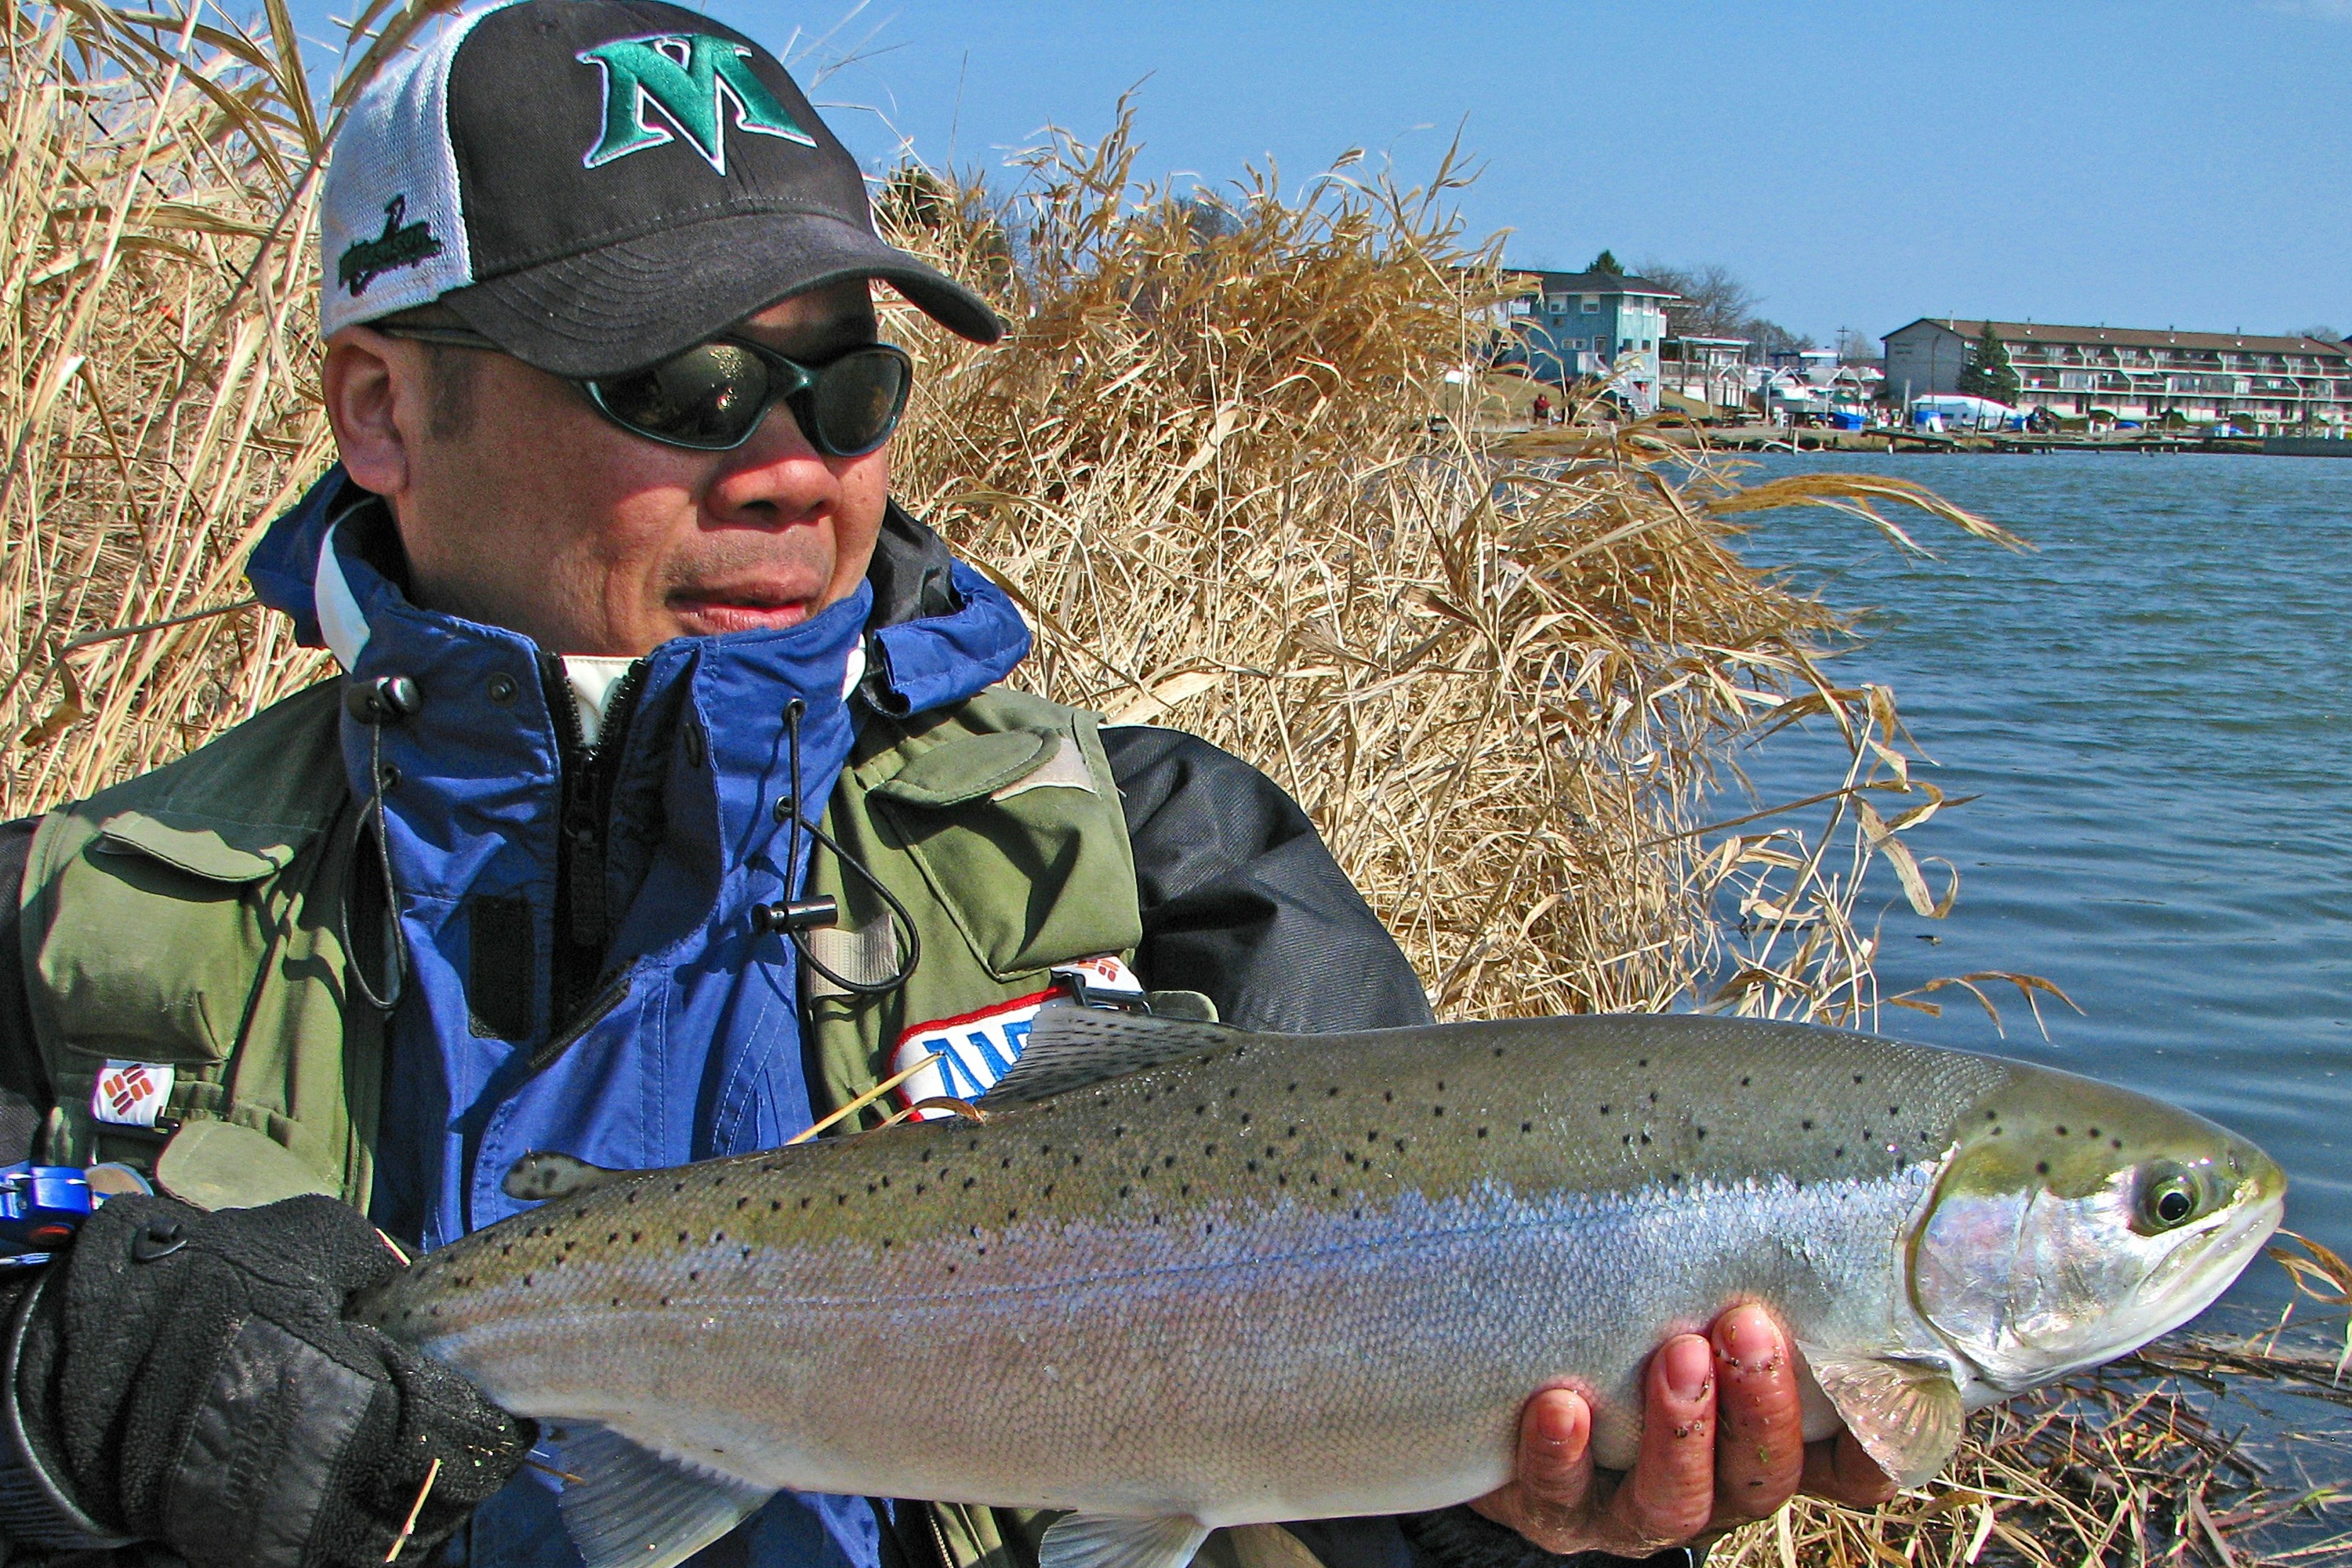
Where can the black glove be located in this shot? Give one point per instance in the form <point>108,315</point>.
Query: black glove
<point>189,1378</point>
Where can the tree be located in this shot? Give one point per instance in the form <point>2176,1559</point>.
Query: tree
<point>1606,262</point>
<point>1715,303</point>
<point>1989,373</point>
<point>1856,347</point>
<point>2325,334</point>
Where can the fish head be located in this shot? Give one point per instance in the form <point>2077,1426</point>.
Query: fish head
<point>2074,1222</point>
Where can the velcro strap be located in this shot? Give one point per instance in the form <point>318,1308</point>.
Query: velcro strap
<point>867,954</point>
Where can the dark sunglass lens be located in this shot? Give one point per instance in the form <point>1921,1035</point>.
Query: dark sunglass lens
<point>710,396</point>
<point>857,401</point>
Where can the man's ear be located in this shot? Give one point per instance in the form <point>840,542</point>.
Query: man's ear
<point>371,391</point>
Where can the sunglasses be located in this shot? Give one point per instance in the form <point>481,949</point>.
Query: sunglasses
<point>712,397</point>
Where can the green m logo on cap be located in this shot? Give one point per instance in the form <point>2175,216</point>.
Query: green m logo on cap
<point>691,78</point>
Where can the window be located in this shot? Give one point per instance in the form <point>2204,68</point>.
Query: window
<point>1591,303</point>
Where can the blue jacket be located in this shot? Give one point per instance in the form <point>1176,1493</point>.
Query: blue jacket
<point>687,1046</point>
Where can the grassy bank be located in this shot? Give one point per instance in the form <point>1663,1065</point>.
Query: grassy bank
<point>1207,462</point>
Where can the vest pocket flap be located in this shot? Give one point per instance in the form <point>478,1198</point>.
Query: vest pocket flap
<point>214,850</point>
<point>967,769</point>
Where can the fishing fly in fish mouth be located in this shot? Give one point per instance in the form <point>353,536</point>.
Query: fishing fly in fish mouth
<point>1183,1277</point>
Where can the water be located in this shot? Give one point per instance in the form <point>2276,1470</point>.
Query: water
<point>2155,707</point>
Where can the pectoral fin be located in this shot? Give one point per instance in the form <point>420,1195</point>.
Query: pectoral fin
<point>1099,1541</point>
<point>633,1507</point>
<point>544,1175</point>
<point>1907,1415</point>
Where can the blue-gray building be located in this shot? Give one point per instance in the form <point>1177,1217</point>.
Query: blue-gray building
<point>1573,324</point>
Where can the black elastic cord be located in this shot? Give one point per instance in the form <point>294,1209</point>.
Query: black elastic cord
<point>913,952</point>
<point>395,946</point>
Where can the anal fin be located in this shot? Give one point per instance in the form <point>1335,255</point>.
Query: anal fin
<point>1907,1415</point>
<point>631,1505</point>
<point>1104,1541</point>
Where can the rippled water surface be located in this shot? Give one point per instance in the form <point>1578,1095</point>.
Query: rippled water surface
<point>2154,706</point>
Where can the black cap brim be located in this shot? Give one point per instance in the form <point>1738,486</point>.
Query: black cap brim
<point>626,305</point>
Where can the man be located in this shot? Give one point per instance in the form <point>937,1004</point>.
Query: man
<point>668,798</point>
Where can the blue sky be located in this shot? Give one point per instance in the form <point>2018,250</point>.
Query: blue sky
<point>2158,164</point>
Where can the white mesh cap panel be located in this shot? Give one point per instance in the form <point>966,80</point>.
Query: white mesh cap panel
<point>392,226</point>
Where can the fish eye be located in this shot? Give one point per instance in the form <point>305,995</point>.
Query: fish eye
<point>2168,1198</point>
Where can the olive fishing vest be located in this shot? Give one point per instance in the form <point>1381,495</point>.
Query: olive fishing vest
<point>196,918</point>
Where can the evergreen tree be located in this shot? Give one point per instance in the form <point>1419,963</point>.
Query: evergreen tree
<point>1607,262</point>
<point>1989,373</point>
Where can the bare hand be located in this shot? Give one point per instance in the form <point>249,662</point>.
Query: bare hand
<point>1722,1444</point>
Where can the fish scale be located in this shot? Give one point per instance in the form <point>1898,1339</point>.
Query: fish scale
<point>1254,1277</point>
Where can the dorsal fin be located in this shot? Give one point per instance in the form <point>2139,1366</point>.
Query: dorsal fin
<point>1070,1047</point>
<point>544,1175</point>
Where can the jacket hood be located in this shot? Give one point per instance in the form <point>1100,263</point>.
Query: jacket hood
<point>939,631</point>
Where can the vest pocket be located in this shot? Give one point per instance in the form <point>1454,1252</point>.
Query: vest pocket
<point>1020,836</point>
<point>108,994</point>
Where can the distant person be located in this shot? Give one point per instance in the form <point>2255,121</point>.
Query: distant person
<point>1543,410</point>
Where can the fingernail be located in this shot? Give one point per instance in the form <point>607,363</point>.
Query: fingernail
<point>1746,1340</point>
<point>1689,1364</point>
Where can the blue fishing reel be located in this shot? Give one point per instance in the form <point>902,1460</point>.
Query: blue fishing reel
<point>41,1206</point>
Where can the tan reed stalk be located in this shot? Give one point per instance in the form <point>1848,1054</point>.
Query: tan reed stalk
<point>1231,466</point>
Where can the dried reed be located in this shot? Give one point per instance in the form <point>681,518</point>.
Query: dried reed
<point>1228,463</point>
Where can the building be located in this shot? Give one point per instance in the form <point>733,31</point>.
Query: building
<point>2274,383</point>
<point>1574,324</point>
<point>1710,370</point>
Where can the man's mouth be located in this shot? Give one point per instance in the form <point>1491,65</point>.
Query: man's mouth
<point>710,612</point>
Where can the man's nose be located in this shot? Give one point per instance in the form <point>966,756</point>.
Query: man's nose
<point>777,478</point>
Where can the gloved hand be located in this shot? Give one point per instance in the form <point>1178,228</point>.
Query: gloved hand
<point>189,1378</point>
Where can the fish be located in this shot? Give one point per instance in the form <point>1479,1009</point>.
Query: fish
<point>1170,1276</point>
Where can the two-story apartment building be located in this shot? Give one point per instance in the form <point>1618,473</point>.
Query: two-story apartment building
<point>1572,325</point>
<point>2276,383</point>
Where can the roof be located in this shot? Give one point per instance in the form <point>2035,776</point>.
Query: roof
<point>1593,283</point>
<point>2127,337</point>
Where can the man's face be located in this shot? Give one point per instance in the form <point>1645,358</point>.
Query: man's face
<point>538,514</point>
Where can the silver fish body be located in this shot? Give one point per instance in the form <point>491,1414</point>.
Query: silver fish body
<point>1277,1277</point>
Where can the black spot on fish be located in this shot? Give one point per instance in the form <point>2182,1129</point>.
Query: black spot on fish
<point>1123,1190</point>
<point>871,1189</point>
<point>1234,1093</point>
<point>1011,1215</point>
<point>747,1255</point>
<point>744,1202</point>
<point>694,1276</point>
<point>1253,1166</point>
<point>1185,1191</point>
<point>1645,1061</point>
<point>528,1279</point>
<point>952,1267</point>
<point>1293,1088</point>
<point>616,1300</point>
<point>1201,1109</point>
<point>1119,1132</point>
<point>1387,1097</point>
<point>2061,1131</point>
<point>612,1238</point>
<point>679,1188</point>
<point>1482,1133</point>
<point>1167,1162</point>
<point>2116,1141</point>
<point>1527,1126</point>
<point>839,1199</point>
<point>1209,1148</point>
<point>2042,1167</point>
<point>1702,1131</point>
<point>1990,1115</point>
<point>805,1203</point>
<point>1332,1091</point>
<point>1808,1124</point>
<point>1005,1163</point>
<point>970,1183</point>
<point>638,1236</point>
<point>1049,1189</point>
<point>926,1156</point>
<point>1399,1145</point>
<point>681,1236</point>
<point>1746,1081</point>
<point>1645,1138</point>
<point>1840,1153</point>
<point>1604,1110</point>
<point>2094,1132</point>
<point>665,1300</point>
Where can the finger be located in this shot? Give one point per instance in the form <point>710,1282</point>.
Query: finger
<point>1669,1495</point>
<point>1547,1500</point>
<point>1760,1451</point>
<point>1840,1470</point>
<point>1555,1459</point>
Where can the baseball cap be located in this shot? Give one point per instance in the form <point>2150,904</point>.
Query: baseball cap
<point>595,185</point>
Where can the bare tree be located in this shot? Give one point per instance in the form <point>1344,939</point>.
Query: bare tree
<point>1715,303</point>
<point>2325,334</point>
